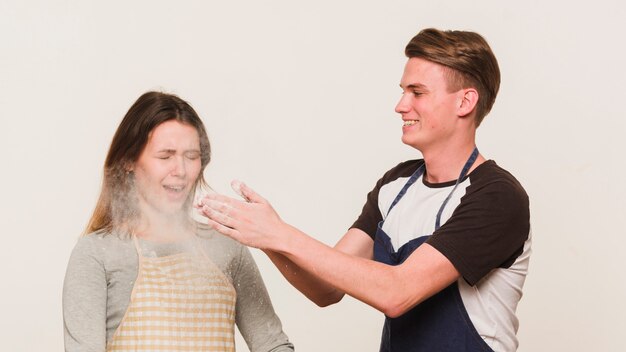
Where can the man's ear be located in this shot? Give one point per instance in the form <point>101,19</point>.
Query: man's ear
<point>468,101</point>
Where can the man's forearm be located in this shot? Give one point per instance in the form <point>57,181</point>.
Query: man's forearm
<point>314,288</point>
<point>390,289</point>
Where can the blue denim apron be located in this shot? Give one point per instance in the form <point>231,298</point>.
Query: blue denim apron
<point>441,322</point>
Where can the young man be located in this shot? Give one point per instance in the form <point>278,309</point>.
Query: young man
<point>442,244</point>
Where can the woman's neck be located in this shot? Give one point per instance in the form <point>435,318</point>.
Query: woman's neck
<point>165,228</point>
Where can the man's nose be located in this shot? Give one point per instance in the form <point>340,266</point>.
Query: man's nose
<point>403,105</point>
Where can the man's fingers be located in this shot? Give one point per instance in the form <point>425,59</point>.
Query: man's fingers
<point>247,193</point>
<point>219,212</point>
<point>222,229</point>
<point>219,206</point>
<point>220,199</point>
<point>236,186</point>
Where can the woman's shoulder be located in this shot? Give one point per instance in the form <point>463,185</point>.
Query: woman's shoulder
<point>102,244</point>
<point>220,248</point>
<point>104,238</point>
<point>207,234</point>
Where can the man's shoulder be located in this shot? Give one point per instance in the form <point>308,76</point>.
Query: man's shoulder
<point>490,178</point>
<point>490,173</point>
<point>403,169</point>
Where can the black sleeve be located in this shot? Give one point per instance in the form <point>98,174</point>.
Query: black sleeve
<point>371,215</point>
<point>487,230</point>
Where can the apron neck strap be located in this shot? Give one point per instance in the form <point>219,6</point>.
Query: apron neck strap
<point>464,171</point>
<point>420,171</point>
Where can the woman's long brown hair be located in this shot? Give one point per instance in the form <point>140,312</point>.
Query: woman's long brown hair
<point>114,209</point>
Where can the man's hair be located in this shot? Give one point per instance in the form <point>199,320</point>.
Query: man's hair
<point>468,60</point>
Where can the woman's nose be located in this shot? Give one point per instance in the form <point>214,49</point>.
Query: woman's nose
<point>179,167</point>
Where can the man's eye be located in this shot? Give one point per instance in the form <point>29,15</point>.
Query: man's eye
<point>416,93</point>
<point>163,157</point>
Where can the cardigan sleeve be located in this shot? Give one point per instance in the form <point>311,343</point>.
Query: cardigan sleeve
<point>84,299</point>
<point>258,323</point>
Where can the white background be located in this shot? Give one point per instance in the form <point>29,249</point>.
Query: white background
<point>298,100</point>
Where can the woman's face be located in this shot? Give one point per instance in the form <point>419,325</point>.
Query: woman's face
<point>168,167</point>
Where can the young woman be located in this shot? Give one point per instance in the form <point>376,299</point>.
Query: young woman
<point>147,276</point>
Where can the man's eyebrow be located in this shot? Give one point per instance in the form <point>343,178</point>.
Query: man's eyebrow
<point>414,86</point>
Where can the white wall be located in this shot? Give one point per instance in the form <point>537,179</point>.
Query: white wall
<point>298,99</point>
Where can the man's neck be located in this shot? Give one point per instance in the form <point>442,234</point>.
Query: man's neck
<point>445,164</point>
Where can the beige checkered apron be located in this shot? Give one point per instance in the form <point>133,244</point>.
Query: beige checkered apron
<point>180,302</point>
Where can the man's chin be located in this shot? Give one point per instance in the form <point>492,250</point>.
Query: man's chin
<point>411,142</point>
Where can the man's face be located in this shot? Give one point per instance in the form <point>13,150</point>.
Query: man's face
<point>428,110</point>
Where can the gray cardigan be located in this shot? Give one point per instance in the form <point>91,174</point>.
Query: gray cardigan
<point>102,271</point>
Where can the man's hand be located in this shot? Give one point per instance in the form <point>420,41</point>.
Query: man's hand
<point>252,222</point>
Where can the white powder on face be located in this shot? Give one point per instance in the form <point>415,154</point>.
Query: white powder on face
<point>126,215</point>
